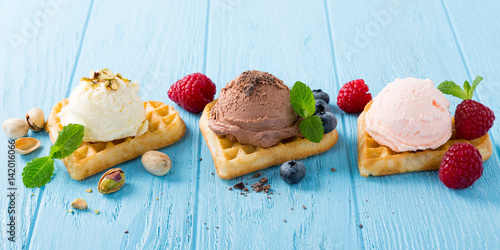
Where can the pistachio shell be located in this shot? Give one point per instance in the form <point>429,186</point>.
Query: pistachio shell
<point>15,128</point>
<point>156,163</point>
<point>26,145</point>
<point>35,119</point>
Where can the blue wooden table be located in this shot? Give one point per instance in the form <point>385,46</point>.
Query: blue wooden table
<point>47,46</point>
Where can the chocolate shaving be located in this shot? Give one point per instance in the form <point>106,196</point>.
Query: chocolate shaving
<point>239,185</point>
<point>248,89</point>
<point>256,175</point>
<point>263,180</point>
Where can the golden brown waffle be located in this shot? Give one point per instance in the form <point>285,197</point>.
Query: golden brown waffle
<point>165,128</point>
<point>232,159</point>
<point>376,160</point>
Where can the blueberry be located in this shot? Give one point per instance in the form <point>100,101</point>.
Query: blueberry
<point>321,106</point>
<point>319,94</point>
<point>292,172</point>
<point>329,121</point>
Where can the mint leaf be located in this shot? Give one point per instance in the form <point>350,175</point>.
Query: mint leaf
<point>38,172</point>
<point>312,128</point>
<point>467,89</point>
<point>474,85</point>
<point>69,139</point>
<point>302,100</point>
<point>451,88</point>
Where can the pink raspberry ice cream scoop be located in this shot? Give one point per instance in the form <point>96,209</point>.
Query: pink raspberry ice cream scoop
<point>409,115</point>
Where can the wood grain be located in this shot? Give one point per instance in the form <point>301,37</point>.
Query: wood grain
<point>39,46</point>
<point>410,210</point>
<point>289,40</point>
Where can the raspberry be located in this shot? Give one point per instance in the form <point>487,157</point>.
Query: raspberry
<point>461,166</point>
<point>192,92</point>
<point>353,96</point>
<point>473,119</point>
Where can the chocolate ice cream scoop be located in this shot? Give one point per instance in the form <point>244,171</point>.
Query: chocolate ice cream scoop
<point>255,109</point>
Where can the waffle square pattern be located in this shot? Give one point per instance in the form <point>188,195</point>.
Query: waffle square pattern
<point>376,160</point>
<point>232,159</point>
<point>165,127</point>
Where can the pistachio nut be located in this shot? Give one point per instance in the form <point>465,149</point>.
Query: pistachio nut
<point>79,203</point>
<point>15,128</point>
<point>26,145</point>
<point>156,163</point>
<point>35,119</point>
<point>111,181</point>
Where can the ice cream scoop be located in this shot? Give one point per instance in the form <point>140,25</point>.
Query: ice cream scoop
<point>255,109</point>
<point>409,115</point>
<point>108,106</point>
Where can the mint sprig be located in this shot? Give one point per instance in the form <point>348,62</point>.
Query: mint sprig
<point>451,88</point>
<point>39,171</point>
<point>303,103</point>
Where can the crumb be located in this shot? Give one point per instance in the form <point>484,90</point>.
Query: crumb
<point>201,159</point>
<point>157,198</point>
<point>256,175</point>
<point>97,211</point>
<point>217,227</point>
<point>126,232</point>
<point>70,211</point>
<point>304,207</point>
<point>89,190</point>
<point>333,170</point>
<point>212,173</point>
<point>32,194</point>
<point>230,188</point>
<point>246,189</point>
<point>292,208</point>
<point>248,179</point>
<point>284,221</point>
<point>207,227</point>
<point>366,200</point>
<point>263,180</point>
<point>239,185</point>
<point>360,226</point>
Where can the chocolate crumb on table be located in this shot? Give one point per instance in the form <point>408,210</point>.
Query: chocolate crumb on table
<point>263,180</point>
<point>212,173</point>
<point>304,207</point>
<point>239,185</point>
<point>201,159</point>
<point>126,232</point>
<point>360,226</point>
<point>256,175</point>
<point>230,188</point>
<point>246,189</point>
<point>334,170</point>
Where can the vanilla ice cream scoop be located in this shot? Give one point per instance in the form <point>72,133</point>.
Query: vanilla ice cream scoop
<point>108,106</point>
<point>409,115</point>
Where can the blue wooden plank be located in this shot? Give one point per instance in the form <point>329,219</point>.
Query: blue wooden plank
<point>39,42</point>
<point>156,43</point>
<point>380,42</point>
<point>289,40</point>
<point>480,53</point>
